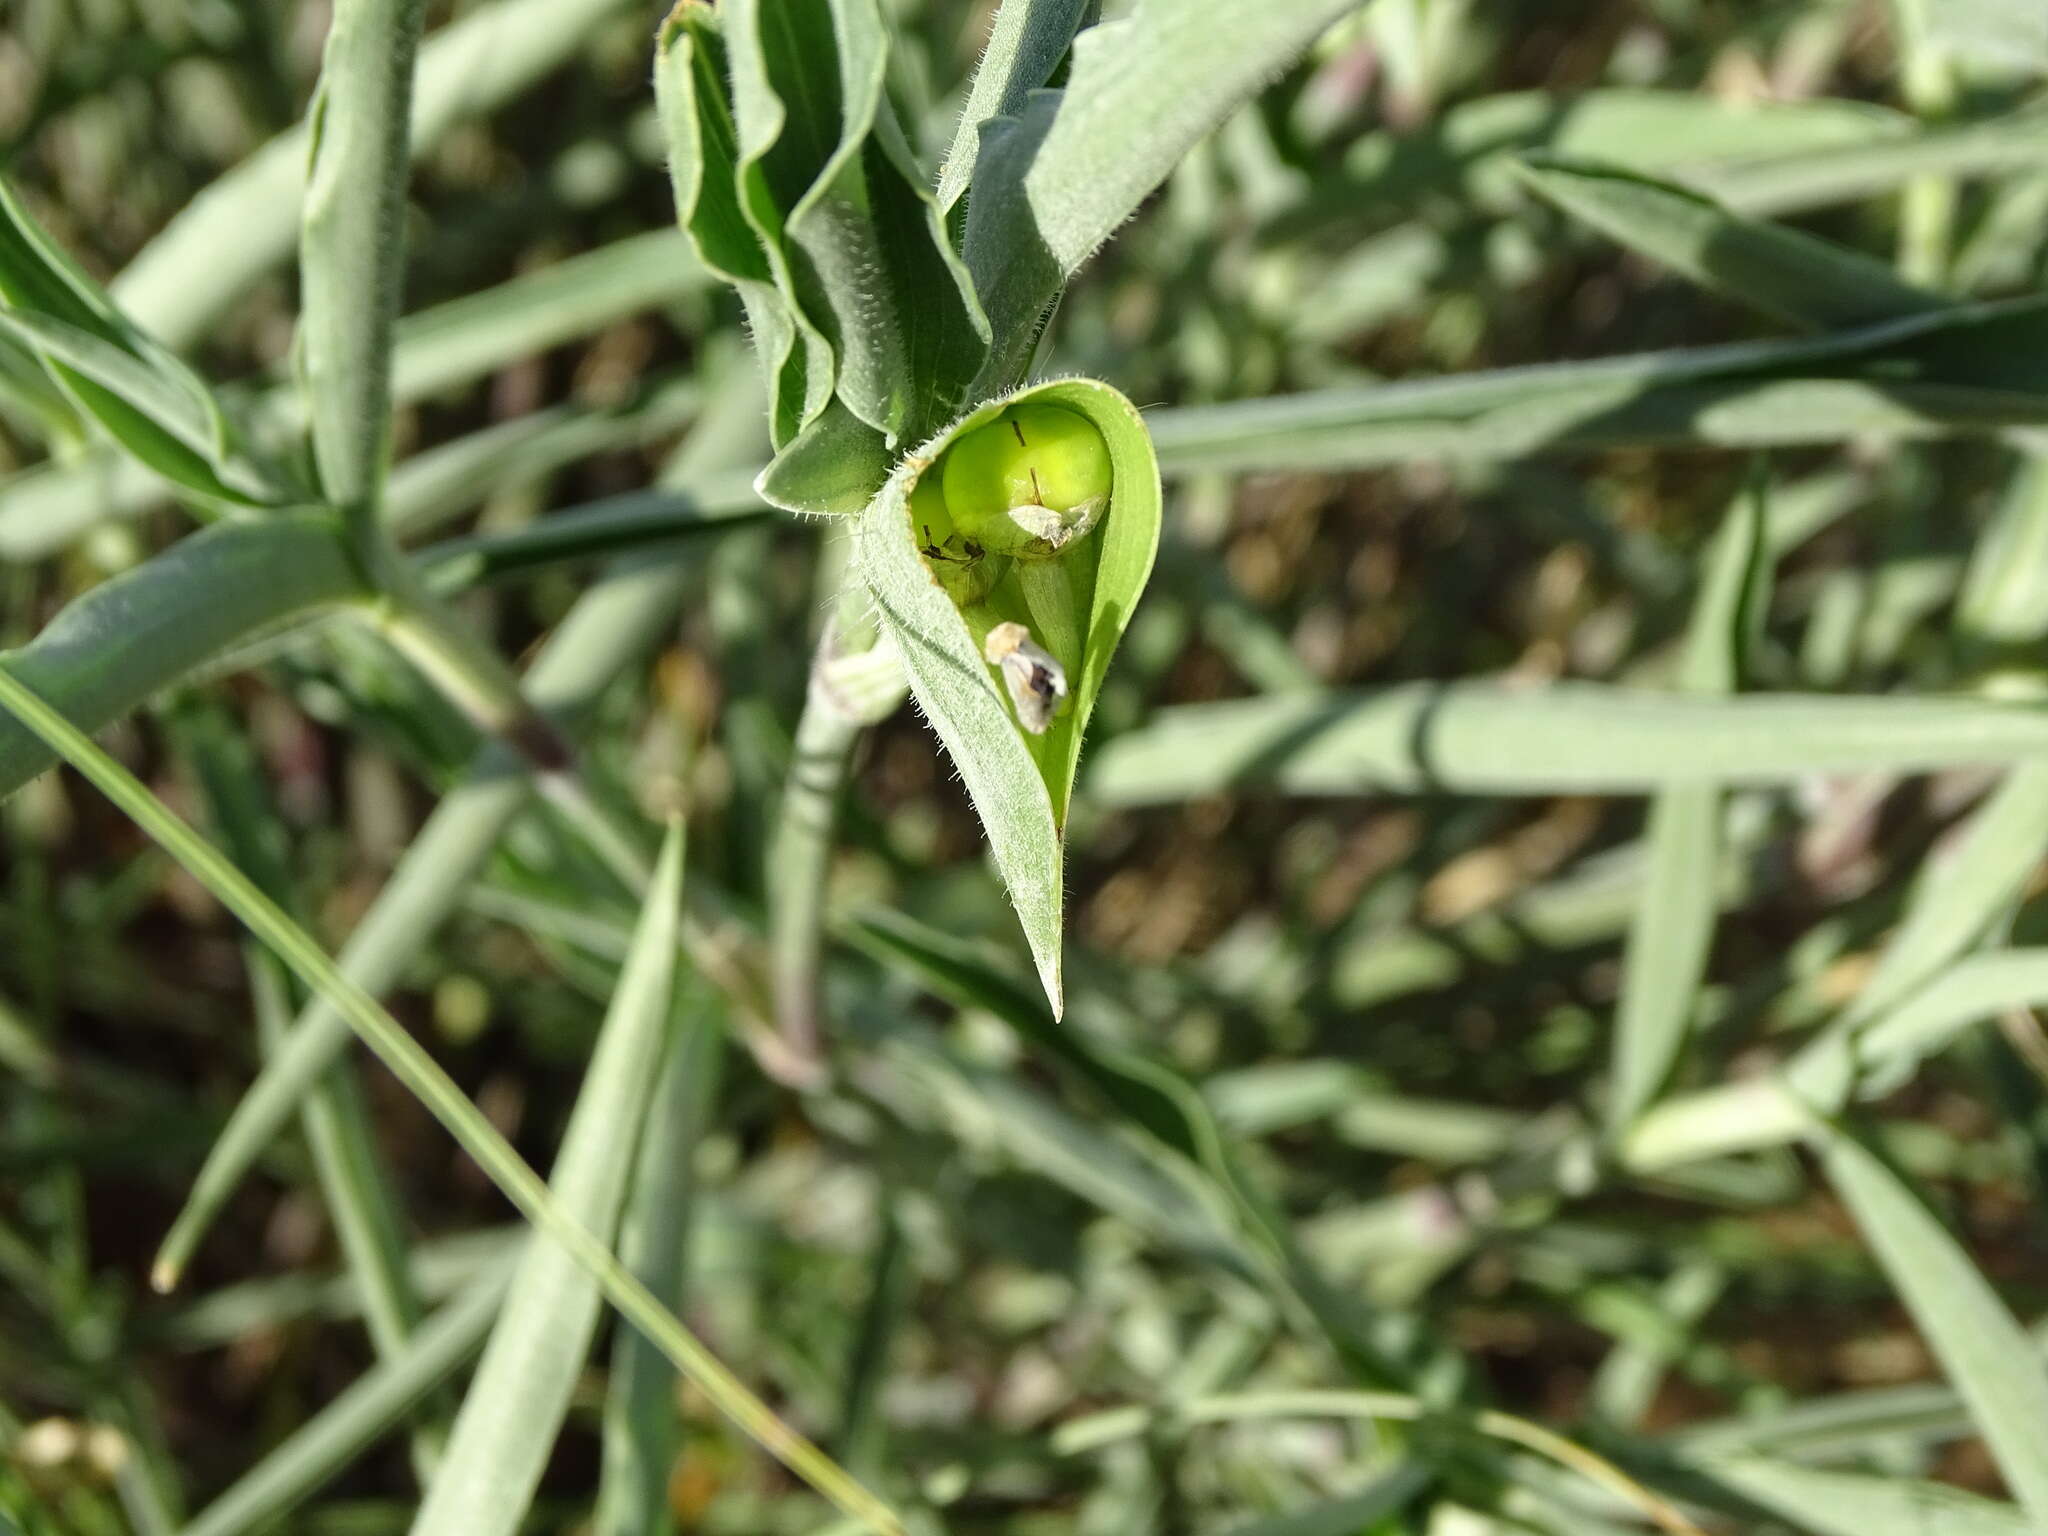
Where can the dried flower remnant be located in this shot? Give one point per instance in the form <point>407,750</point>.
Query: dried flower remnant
<point>1036,682</point>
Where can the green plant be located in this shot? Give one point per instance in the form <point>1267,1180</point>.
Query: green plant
<point>991,1253</point>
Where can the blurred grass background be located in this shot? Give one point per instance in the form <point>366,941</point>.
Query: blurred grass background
<point>1390,1001</point>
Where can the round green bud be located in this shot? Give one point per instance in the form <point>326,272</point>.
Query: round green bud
<point>1028,483</point>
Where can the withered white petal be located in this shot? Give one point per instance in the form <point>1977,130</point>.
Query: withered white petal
<point>1035,679</point>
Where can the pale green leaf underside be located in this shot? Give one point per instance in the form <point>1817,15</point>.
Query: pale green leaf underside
<point>1569,738</point>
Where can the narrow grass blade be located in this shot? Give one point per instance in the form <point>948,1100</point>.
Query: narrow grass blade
<point>892,1281</point>
<point>1628,1380</point>
<point>2004,599</point>
<point>1835,1503</point>
<point>1568,738</point>
<point>431,1085</point>
<point>433,488</point>
<point>1867,1057</point>
<point>1238,1224</point>
<point>1783,273</point>
<point>437,1267</point>
<point>440,863</point>
<point>148,401</point>
<point>2008,145</point>
<point>120,642</point>
<point>637,522</point>
<point>1958,896</point>
<point>1920,375</point>
<point>176,432</point>
<point>1692,135</point>
<point>1988,1357</point>
<point>353,1181</point>
<point>515,1405</point>
<point>352,247</point>
<point>363,1413</point>
<point>45,508</point>
<point>1672,934</point>
<point>642,1428</point>
<point>1079,1436</point>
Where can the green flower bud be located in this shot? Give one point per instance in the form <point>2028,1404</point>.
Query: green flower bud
<point>966,571</point>
<point>1029,483</point>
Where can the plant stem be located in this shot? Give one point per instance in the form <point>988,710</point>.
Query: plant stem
<point>852,684</point>
<point>473,677</point>
<point>352,250</point>
<point>800,852</point>
<point>1927,211</point>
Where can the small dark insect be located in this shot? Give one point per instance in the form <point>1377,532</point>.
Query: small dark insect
<point>956,550</point>
<point>1037,683</point>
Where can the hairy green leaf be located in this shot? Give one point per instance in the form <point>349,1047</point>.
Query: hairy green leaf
<point>1020,782</point>
<point>690,75</point>
<point>1027,40</point>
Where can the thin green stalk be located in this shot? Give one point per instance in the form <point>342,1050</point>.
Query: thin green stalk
<point>637,521</point>
<point>241,226</point>
<point>863,1431</point>
<point>613,625</point>
<point>429,880</point>
<point>425,1079</point>
<point>358,1195</point>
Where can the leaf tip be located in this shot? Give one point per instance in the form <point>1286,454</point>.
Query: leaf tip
<point>1049,978</point>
